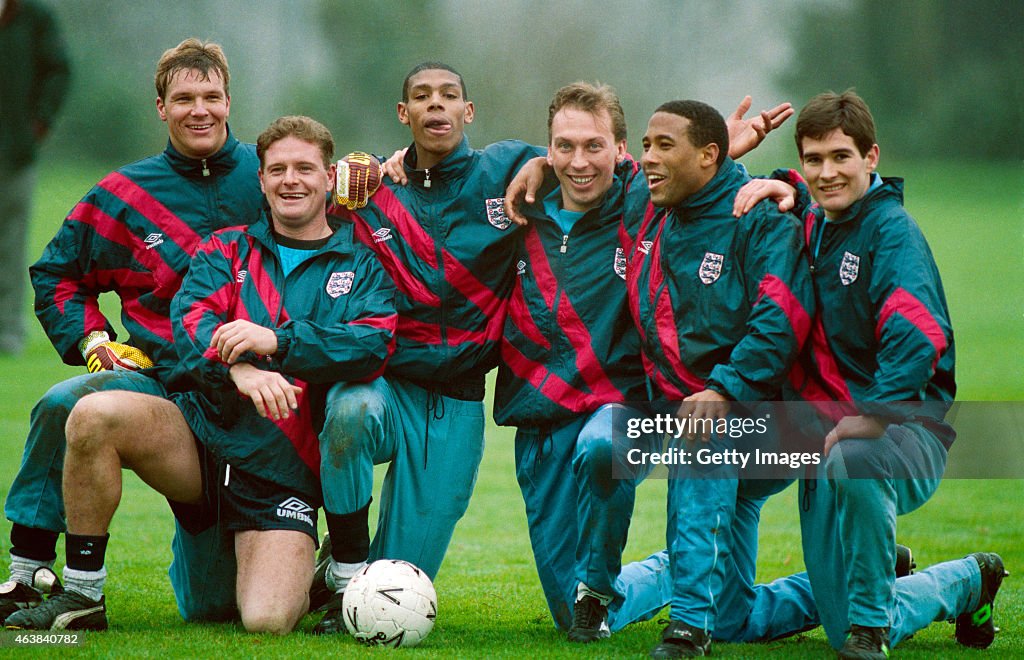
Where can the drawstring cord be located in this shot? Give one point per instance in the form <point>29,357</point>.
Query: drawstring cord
<point>810,485</point>
<point>544,437</point>
<point>435,403</point>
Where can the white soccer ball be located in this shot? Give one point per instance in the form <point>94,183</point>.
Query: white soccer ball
<point>390,603</point>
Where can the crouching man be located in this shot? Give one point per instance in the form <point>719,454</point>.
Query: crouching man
<point>274,312</point>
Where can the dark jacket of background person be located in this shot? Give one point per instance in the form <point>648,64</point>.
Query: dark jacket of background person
<point>34,77</point>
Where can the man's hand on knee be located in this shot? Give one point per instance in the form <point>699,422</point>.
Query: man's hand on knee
<point>102,354</point>
<point>864,427</point>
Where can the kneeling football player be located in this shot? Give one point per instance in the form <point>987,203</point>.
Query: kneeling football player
<point>269,316</point>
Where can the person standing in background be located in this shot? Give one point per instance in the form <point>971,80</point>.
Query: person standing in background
<point>34,77</point>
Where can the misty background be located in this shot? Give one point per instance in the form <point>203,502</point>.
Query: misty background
<point>942,76</point>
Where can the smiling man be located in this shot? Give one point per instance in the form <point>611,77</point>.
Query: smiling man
<point>195,110</point>
<point>883,340</point>
<point>133,234</point>
<point>722,306</point>
<point>571,359</point>
<point>268,317</point>
<point>881,357</point>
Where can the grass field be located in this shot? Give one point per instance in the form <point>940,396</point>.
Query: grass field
<point>490,601</point>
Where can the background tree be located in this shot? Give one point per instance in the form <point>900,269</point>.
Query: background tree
<point>942,76</point>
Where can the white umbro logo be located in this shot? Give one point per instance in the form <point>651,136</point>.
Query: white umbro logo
<point>295,509</point>
<point>521,267</point>
<point>154,240</point>
<point>382,234</point>
<point>645,247</point>
<point>240,277</point>
<point>296,505</point>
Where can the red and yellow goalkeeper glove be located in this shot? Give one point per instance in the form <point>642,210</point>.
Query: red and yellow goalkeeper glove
<point>101,354</point>
<point>358,177</point>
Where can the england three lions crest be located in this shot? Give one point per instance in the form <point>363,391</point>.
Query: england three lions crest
<point>496,213</point>
<point>849,269</point>
<point>620,262</point>
<point>711,267</point>
<point>340,283</point>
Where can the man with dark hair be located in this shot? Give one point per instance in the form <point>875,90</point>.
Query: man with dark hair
<point>275,312</point>
<point>882,347</point>
<point>722,307</point>
<point>34,80</point>
<point>449,247</point>
<point>134,234</point>
<point>430,66</point>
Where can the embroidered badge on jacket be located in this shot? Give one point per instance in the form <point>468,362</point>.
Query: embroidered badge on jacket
<point>340,283</point>
<point>496,213</point>
<point>711,267</point>
<point>849,269</point>
<point>620,262</point>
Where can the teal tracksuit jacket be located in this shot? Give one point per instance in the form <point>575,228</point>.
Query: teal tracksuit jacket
<point>334,320</point>
<point>569,344</point>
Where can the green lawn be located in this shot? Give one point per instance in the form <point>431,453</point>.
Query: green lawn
<point>490,601</point>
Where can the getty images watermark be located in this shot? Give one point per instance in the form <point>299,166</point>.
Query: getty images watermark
<point>716,450</point>
<point>786,440</point>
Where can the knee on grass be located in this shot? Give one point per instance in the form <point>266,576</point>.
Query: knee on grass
<point>273,618</point>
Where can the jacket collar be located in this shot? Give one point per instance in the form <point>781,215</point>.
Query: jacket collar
<point>218,164</point>
<point>340,240</point>
<point>449,168</point>
<point>890,190</point>
<point>611,205</point>
<point>726,181</point>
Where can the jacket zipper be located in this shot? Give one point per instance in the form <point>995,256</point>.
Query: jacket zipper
<point>558,292</point>
<point>437,223</point>
<point>817,245</point>
<point>558,279</point>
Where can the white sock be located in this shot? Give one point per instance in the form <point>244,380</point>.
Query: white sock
<point>23,568</point>
<point>583,590</point>
<point>87,583</point>
<point>339,574</point>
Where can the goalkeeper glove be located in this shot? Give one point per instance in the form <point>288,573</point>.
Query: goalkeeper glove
<point>101,354</point>
<point>357,178</point>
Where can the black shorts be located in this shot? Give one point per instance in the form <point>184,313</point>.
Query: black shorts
<point>239,502</point>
